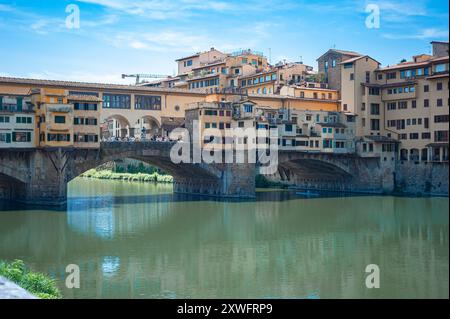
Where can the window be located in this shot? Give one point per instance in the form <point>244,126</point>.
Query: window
<point>439,67</point>
<point>60,119</point>
<point>22,119</point>
<point>367,76</point>
<point>391,105</point>
<point>426,88</point>
<point>439,102</point>
<point>426,135</point>
<point>348,65</point>
<point>85,138</point>
<point>426,103</point>
<point>147,102</point>
<point>374,91</point>
<point>5,137</point>
<point>402,105</point>
<point>211,112</point>
<point>413,104</point>
<point>375,124</point>
<point>352,76</point>
<point>116,101</point>
<point>391,75</point>
<point>441,136</point>
<point>21,137</point>
<point>248,108</point>
<point>380,76</point>
<point>4,119</point>
<point>441,118</point>
<point>426,122</point>
<point>333,63</point>
<point>375,109</point>
<point>439,86</point>
<point>58,137</point>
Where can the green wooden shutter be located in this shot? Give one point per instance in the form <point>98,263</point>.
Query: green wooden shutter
<point>19,104</point>
<point>8,137</point>
<point>28,136</point>
<point>14,136</point>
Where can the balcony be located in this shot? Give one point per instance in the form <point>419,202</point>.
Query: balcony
<point>13,108</point>
<point>60,108</point>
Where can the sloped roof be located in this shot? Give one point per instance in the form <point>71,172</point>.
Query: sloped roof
<point>343,52</point>
<point>356,58</point>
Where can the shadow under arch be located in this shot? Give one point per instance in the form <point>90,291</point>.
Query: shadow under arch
<point>180,172</point>
<point>312,169</point>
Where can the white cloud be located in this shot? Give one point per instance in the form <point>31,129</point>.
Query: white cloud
<point>429,33</point>
<point>82,76</point>
<point>162,9</point>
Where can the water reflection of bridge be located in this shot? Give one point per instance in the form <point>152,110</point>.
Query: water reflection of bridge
<point>291,246</point>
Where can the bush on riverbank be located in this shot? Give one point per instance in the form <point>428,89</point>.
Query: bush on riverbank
<point>262,182</point>
<point>36,283</point>
<point>130,177</point>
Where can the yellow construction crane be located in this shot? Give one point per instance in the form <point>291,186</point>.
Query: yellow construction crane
<point>144,76</point>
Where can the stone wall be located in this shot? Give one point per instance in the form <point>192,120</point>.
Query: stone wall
<point>9,290</point>
<point>422,178</point>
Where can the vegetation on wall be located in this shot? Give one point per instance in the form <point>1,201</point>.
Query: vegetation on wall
<point>35,283</point>
<point>262,182</point>
<point>130,173</point>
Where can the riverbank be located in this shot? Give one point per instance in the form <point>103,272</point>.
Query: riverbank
<point>154,177</point>
<point>36,284</point>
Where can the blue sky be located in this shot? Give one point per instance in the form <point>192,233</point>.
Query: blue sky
<point>146,36</point>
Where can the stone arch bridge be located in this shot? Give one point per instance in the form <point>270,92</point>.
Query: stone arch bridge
<point>40,176</point>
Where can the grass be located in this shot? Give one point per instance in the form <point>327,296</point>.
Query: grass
<point>36,283</point>
<point>130,177</point>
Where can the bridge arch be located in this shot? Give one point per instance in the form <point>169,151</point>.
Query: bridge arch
<point>197,178</point>
<point>13,173</point>
<point>117,125</point>
<point>148,125</point>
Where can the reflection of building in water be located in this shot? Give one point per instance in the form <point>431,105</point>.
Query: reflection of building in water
<point>222,249</point>
<point>113,218</point>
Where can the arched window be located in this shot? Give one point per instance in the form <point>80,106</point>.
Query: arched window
<point>264,91</point>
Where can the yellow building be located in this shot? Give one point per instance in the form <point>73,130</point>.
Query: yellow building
<point>86,119</point>
<point>54,118</point>
<point>405,102</point>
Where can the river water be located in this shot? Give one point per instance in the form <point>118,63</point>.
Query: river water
<point>136,240</point>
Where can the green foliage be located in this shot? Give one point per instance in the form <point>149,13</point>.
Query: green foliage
<point>262,182</point>
<point>36,283</point>
<point>131,177</point>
